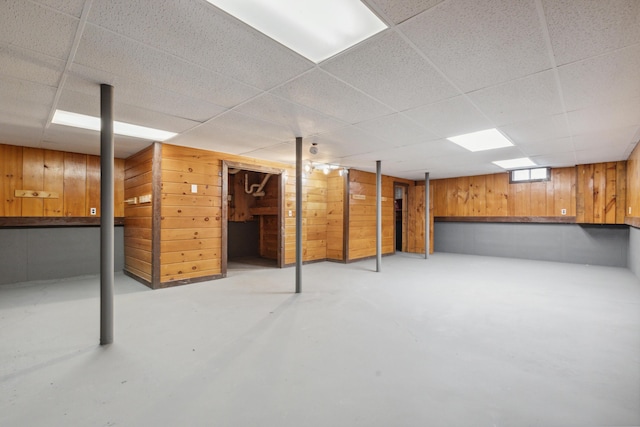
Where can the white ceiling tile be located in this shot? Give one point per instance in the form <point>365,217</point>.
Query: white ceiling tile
<point>34,27</point>
<point>284,152</point>
<point>87,80</point>
<point>585,28</point>
<point>399,11</point>
<point>300,120</point>
<point>71,7</point>
<point>547,147</point>
<point>480,43</point>
<point>455,116</point>
<point>612,138</point>
<point>25,99</point>
<point>606,78</point>
<point>538,129</point>
<point>345,142</point>
<point>519,100</point>
<point>16,133</point>
<point>323,92</point>
<point>234,133</point>
<point>116,55</point>
<point>64,138</point>
<point>556,160</point>
<point>82,103</point>
<point>600,155</point>
<point>397,129</point>
<point>606,116</point>
<point>30,66</point>
<point>204,35</point>
<point>390,70</point>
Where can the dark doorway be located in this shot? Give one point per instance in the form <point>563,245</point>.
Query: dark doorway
<point>401,201</point>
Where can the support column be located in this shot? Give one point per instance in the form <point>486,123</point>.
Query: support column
<point>378,216</point>
<point>427,219</point>
<point>298,215</point>
<point>106,214</point>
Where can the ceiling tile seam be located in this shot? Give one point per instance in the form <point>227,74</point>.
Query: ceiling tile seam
<point>72,54</point>
<point>373,7</point>
<point>552,57</point>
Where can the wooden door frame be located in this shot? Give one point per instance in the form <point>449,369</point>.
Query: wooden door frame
<point>226,165</point>
<point>405,208</point>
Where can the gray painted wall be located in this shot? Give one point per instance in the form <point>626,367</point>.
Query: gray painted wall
<point>53,253</point>
<point>590,244</point>
<point>634,250</point>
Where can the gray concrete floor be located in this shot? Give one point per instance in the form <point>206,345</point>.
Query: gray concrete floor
<point>456,340</point>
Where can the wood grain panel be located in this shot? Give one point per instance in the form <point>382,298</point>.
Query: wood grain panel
<point>75,181</point>
<point>92,195</point>
<point>54,181</point>
<point>33,179</point>
<point>632,208</point>
<point>11,174</point>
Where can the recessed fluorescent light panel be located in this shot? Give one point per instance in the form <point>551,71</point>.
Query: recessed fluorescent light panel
<point>481,140</point>
<point>316,29</point>
<point>82,121</point>
<point>522,162</point>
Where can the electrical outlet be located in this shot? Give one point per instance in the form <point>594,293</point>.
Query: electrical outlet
<point>93,211</point>
<point>194,188</point>
<point>290,213</point>
<point>563,211</point>
<point>629,210</point>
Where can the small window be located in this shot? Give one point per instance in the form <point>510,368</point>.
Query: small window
<point>530,175</point>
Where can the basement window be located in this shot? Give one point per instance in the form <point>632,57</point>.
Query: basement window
<point>529,175</point>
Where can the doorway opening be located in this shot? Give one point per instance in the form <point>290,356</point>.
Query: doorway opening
<point>251,216</point>
<point>401,202</point>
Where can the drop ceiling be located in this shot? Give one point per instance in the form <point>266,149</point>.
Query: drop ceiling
<point>558,77</point>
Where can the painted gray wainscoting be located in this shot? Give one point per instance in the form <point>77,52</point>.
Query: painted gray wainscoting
<point>606,245</point>
<point>53,253</point>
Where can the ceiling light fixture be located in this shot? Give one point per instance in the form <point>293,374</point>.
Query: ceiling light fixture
<point>314,148</point>
<point>522,162</point>
<point>316,29</point>
<point>482,140</point>
<point>82,121</point>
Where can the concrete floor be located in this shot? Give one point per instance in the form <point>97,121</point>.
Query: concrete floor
<point>457,340</point>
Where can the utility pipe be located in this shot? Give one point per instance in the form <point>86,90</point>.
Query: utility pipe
<point>378,216</point>
<point>298,215</point>
<point>427,217</point>
<point>106,214</point>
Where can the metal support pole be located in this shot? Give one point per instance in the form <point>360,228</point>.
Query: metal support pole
<point>378,216</point>
<point>427,219</point>
<point>106,214</point>
<point>298,214</point>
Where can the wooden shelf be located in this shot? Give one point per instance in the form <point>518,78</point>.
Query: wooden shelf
<point>57,221</point>
<point>509,219</point>
<point>263,211</point>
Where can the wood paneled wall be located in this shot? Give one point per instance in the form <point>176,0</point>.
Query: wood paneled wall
<point>633,187</point>
<point>314,221</point>
<point>267,207</point>
<point>75,177</point>
<point>362,215</point>
<point>492,195</point>
<point>601,193</point>
<point>138,223</point>
<point>336,197</point>
<point>191,222</point>
<point>416,218</point>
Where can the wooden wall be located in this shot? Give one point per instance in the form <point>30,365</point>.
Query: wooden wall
<point>601,193</point>
<point>191,222</point>
<point>492,195</point>
<point>416,218</point>
<point>138,223</point>
<point>336,197</point>
<point>633,187</point>
<point>266,210</point>
<point>75,177</point>
<point>362,215</point>
<point>314,205</point>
